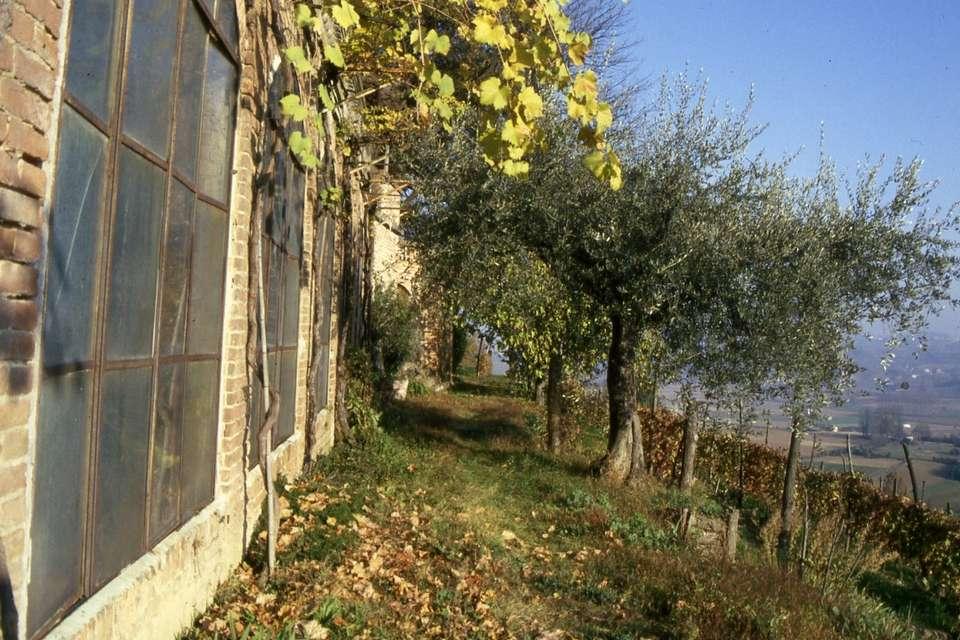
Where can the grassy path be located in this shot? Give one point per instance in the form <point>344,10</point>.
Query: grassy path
<point>453,523</point>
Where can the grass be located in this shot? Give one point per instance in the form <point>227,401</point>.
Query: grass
<point>454,522</point>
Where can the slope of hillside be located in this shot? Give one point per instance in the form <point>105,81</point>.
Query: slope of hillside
<point>453,523</point>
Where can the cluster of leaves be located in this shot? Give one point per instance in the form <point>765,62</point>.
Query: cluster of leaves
<point>395,329</point>
<point>504,58</point>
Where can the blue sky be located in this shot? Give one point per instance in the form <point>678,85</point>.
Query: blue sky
<point>883,77</point>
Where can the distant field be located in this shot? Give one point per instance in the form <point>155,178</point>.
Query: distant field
<point>888,459</point>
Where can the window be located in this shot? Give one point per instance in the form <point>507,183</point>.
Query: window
<point>282,204</point>
<point>126,442</point>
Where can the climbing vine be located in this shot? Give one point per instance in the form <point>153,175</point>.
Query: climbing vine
<point>427,61</point>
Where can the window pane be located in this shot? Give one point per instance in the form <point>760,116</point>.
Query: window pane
<point>274,292</point>
<point>165,475</point>
<point>227,17</point>
<point>133,269</point>
<point>288,395</point>
<point>176,271</point>
<point>74,233</point>
<point>276,218</point>
<point>206,282</point>
<point>91,66</point>
<point>216,138</point>
<point>153,41</point>
<point>291,301</point>
<point>121,473</point>
<point>59,496</point>
<point>199,437</point>
<point>190,92</point>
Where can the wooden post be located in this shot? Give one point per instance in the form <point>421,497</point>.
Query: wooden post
<point>949,510</point>
<point>913,476</point>
<point>896,480</point>
<point>733,534</point>
<point>923,490</point>
<point>850,455</point>
<point>813,449</point>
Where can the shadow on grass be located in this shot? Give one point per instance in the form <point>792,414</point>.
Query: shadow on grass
<point>493,438</point>
<point>484,386</point>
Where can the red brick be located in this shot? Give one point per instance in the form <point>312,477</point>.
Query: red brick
<point>20,101</point>
<point>33,72</point>
<point>23,137</point>
<point>6,54</point>
<point>19,208</point>
<point>15,380</point>
<point>13,478</point>
<point>21,315</point>
<point>19,245</point>
<point>32,178</point>
<point>17,279</point>
<point>23,28</point>
<point>46,12</point>
<point>45,46</point>
<point>16,346</point>
<point>14,414</point>
<point>13,445</point>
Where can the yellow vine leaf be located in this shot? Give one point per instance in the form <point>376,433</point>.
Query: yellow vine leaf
<point>345,15</point>
<point>493,94</point>
<point>486,30</point>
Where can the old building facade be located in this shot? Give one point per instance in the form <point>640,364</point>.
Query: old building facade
<point>142,168</point>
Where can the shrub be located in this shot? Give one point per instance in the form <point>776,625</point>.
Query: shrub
<point>395,330</point>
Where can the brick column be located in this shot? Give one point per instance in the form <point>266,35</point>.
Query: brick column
<point>29,32</point>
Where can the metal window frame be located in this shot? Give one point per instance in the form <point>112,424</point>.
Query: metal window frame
<point>116,140</point>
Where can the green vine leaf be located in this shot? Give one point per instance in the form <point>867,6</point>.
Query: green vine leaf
<point>291,106</point>
<point>298,59</point>
<point>332,53</point>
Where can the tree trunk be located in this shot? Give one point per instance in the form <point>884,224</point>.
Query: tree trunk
<point>266,431</point>
<point>789,495</point>
<point>638,462</point>
<point>622,395</point>
<point>479,355</point>
<point>554,400</point>
<point>913,476</point>
<point>690,436</point>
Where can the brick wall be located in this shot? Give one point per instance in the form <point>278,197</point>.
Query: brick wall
<point>29,33</point>
<point>178,577</point>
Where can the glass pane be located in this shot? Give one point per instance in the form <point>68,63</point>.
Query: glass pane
<point>121,472</point>
<point>199,449</point>
<point>254,421</point>
<point>216,138</point>
<point>91,63</point>
<point>297,194</point>
<point>59,497</point>
<point>206,282</point>
<point>276,218</point>
<point>165,474</point>
<point>134,264</point>
<point>274,292</point>
<point>176,271</point>
<point>190,92</point>
<point>291,301</point>
<point>74,233</point>
<point>227,17</point>
<point>273,361</point>
<point>209,4</point>
<point>153,42</point>
<point>288,395</point>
